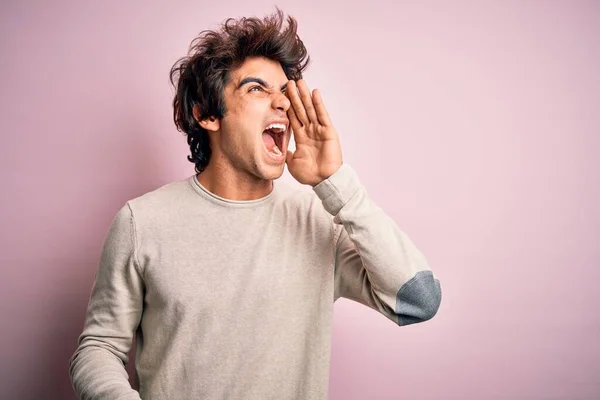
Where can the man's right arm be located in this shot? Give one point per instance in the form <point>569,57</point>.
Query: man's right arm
<point>97,368</point>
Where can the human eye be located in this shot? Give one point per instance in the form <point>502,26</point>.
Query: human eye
<point>256,88</point>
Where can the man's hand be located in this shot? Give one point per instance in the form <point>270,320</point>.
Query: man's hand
<point>318,152</point>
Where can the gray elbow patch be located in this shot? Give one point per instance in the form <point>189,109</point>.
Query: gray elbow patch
<point>418,299</point>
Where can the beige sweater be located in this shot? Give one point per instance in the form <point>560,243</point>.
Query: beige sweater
<point>234,299</point>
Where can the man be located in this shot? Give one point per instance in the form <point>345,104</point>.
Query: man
<point>227,279</point>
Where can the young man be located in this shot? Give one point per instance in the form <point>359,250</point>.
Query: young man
<point>227,280</point>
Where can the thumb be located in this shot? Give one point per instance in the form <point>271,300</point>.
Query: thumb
<point>289,156</point>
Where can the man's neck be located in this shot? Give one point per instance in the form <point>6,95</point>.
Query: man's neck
<point>228,183</point>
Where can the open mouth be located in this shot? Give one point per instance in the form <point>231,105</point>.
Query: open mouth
<point>273,138</point>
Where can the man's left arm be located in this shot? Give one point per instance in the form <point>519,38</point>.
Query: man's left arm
<point>376,263</point>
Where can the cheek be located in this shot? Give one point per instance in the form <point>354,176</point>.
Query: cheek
<point>244,121</point>
<point>239,133</point>
<point>251,116</point>
<point>254,109</point>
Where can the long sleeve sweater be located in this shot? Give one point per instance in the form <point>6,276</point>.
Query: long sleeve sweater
<point>234,299</point>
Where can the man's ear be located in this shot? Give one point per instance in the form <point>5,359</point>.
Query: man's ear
<point>211,123</point>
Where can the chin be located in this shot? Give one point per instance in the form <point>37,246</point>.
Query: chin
<point>270,172</point>
<point>269,167</point>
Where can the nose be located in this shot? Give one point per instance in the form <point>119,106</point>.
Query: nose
<point>281,102</point>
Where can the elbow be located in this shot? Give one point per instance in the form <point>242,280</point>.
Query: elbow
<point>419,299</point>
<point>430,307</point>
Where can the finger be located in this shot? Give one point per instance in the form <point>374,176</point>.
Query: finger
<point>307,101</point>
<point>322,113</point>
<point>292,93</point>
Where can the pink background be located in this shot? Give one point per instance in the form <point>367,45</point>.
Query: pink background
<point>475,125</point>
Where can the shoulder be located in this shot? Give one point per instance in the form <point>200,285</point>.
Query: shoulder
<point>163,200</point>
<point>298,197</point>
<point>303,204</point>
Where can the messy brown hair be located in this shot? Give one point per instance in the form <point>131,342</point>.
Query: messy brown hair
<point>200,77</point>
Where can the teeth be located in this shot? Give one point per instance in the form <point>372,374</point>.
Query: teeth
<point>276,127</point>
<point>276,150</point>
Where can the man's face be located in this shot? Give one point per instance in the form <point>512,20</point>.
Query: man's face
<point>254,100</point>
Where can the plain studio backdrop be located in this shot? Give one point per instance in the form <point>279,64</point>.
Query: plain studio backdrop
<point>474,125</point>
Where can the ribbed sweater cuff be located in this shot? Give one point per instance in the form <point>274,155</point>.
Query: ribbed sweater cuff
<point>338,189</point>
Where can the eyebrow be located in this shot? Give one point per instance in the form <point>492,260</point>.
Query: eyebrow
<point>259,81</point>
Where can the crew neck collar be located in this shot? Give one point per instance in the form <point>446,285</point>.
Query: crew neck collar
<point>208,195</point>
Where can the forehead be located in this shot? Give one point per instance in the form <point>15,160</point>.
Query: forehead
<point>259,67</point>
